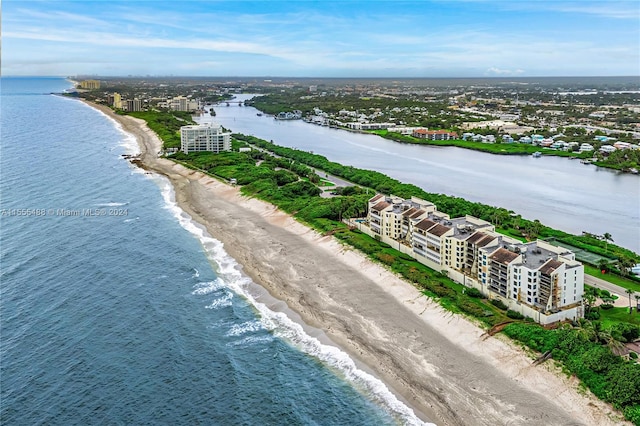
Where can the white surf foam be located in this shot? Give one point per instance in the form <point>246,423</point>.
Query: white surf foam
<point>252,341</point>
<point>230,275</point>
<point>223,302</point>
<point>208,287</point>
<point>246,327</point>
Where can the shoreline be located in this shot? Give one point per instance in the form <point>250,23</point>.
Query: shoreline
<point>440,364</point>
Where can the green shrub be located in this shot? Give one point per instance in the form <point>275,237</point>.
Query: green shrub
<point>625,332</point>
<point>592,315</point>
<point>473,292</point>
<point>514,315</point>
<point>468,306</point>
<point>606,306</point>
<point>633,355</point>
<point>442,291</point>
<point>533,335</point>
<point>386,258</point>
<point>499,304</point>
<point>632,413</point>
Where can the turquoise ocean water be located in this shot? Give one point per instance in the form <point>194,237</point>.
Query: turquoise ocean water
<point>115,308</point>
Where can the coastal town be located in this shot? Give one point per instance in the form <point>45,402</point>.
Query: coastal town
<point>407,213</point>
<point>494,267</point>
<point>593,121</point>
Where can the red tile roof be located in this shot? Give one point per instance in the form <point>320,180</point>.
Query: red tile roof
<point>480,239</point>
<point>409,212</point>
<point>503,256</point>
<point>550,266</point>
<point>425,224</point>
<point>439,230</point>
<point>381,206</point>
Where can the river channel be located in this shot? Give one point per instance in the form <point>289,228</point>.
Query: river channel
<point>561,193</point>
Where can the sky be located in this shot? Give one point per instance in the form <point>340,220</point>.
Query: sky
<point>455,38</point>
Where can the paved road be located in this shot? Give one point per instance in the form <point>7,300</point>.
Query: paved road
<point>623,297</point>
<point>326,191</point>
<point>336,180</point>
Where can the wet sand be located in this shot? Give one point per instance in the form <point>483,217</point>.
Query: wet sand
<point>441,365</point>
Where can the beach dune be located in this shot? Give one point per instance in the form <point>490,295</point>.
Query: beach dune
<point>441,365</point>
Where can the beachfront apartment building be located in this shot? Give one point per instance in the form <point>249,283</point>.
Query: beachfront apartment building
<point>116,100</point>
<point>535,278</point>
<point>90,84</point>
<point>204,137</point>
<point>133,105</point>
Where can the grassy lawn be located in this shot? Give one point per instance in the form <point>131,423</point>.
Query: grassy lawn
<point>613,316</point>
<point>324,182</point>
<point>612,278</point>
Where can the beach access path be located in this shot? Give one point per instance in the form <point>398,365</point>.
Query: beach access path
<point>442,365</point>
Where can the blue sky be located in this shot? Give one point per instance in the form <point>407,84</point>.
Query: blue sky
<point>464,38</point>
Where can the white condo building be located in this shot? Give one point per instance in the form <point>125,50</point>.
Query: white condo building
<point>536,279</point>
<point>204,137</point>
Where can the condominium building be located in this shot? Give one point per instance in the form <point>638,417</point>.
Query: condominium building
<point>117,100</point>
<point>535,278</point>
<point>181,103</point>
<point>434,135</point>
<point>90,84</point>
<point>134,105</point>
<point>204,137</point>
<point>369,126</point>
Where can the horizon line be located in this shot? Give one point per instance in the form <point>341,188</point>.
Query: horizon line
<point>319,77</point>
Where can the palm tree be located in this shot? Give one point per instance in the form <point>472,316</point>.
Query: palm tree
<point>629,292</point>
<point>532,229</point>
<point>625,264</point>
<point>603,265</point>
<point>606,237</point>
<point>589,298</point>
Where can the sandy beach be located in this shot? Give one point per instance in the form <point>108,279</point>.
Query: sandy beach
<point>441,365</point>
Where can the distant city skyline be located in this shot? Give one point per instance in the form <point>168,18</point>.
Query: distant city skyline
<point>404,39</point>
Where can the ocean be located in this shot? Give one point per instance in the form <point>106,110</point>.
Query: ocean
<point>116,308</point>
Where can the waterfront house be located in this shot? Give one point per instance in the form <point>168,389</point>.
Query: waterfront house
<point>622,145</point>
<point>467,135</point>
<point>586,147</point>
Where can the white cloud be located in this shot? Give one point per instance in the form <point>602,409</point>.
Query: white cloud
<point>606,9</point>
<point>493,71</point>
